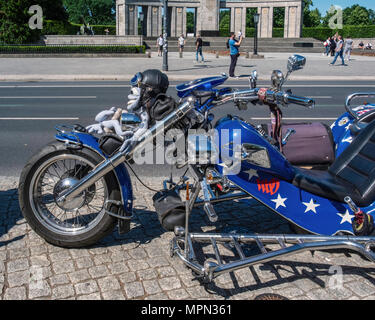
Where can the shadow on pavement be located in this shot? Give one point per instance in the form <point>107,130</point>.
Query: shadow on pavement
<point>10,215</point>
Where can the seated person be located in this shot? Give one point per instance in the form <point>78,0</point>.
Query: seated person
<point>361,45</point>
<point>368,46</point>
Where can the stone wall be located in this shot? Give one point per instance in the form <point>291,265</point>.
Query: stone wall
<point>93,40</point>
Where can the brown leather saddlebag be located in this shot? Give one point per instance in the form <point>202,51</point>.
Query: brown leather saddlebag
<point>312,144</point>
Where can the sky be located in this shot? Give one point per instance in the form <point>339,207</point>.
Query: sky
<point>324,5</point>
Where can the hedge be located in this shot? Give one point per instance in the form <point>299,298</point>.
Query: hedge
<point>321,33</point>
<point>70,49</point>
<point>52,27</point>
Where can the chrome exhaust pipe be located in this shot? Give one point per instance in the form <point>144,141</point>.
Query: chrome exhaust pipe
<point>109,164</point>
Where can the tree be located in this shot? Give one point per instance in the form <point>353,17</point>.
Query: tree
<point>278,17</point>
<point>190,23</point>
<point>224,23</point>
<point>53,10</point>
<point>311,18</point>
<point>14,24</point>
<point>356,16</point>
<point>371,14</point>
<point>93,11</point>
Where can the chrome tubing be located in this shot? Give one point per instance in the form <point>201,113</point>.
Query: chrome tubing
<point>273,239</point>
<point>263,258</point>
<point>109,164</point>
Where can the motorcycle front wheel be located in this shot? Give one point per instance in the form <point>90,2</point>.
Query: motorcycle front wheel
<point>79,222</point>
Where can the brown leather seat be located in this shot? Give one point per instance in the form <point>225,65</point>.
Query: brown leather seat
<point>352,173</point>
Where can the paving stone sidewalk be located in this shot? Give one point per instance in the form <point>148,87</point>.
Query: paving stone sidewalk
<point>27,69</point>
<point>138,265</point>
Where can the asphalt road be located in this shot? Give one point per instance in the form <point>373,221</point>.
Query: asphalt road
<point>29,112</point>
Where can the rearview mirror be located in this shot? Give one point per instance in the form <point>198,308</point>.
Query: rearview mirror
<point>296,62</point>
<point>253,79</point>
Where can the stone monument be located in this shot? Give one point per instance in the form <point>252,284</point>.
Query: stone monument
<point>207,14</point>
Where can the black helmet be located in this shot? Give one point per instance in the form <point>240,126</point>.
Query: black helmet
<point>153,80</point>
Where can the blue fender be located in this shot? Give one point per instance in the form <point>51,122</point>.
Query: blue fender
<point>121,172</point>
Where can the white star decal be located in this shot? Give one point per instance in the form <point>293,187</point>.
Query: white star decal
<point>347,217</point>
<point>348,140</point>
<point>252,173</point>
<point>280,202</point>
<point>311,206</point>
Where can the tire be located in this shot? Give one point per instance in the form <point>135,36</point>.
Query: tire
<point>43,220</point>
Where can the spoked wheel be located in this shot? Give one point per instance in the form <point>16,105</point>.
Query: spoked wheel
<point>79,222</point>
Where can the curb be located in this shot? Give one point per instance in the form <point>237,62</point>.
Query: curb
<point>172,77</point>
<point>76,55</point>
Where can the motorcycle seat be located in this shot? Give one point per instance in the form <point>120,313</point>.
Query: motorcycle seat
<point>351,174</point>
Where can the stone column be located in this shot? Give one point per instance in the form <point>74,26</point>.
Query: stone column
<point>149,21</point>
<point>179,21</point>
<point>266,22</point>
<point>232,19</point>
<point>243,27</point>
<point>237,25</point>
<point>299,21</point>
<point>292,22</point>
<point>132,15</point>
<point>209,15</point>
<point>184,13</point>
<point>120,18</point>
<point>156,26</point>
<point>173,22</point>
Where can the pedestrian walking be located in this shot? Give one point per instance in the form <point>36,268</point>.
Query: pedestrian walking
<point>339,51</point>
<point>234,53</point>
<point>160,45</point>
<point>199,46</point>
<point>348,48</point>
<point>181,44</point>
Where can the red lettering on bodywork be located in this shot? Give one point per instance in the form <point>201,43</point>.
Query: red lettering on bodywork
<point>268,186</point>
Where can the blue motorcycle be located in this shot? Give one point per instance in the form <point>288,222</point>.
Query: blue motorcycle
<point>74,191</point>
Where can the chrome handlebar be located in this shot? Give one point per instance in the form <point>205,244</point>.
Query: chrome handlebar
<point>270,96</point>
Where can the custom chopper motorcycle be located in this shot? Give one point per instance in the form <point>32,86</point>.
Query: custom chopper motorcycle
<point>74,191</point>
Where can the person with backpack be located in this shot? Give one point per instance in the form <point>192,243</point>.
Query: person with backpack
<point>327,46</point>
<point>234,53</point>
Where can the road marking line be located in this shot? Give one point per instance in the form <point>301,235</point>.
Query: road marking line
<point>312,119</point>
<point>69,86</point>
<point>39,118</point>
<point>12,105</point>
<point>50,97</point>
<point>320,97</point>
